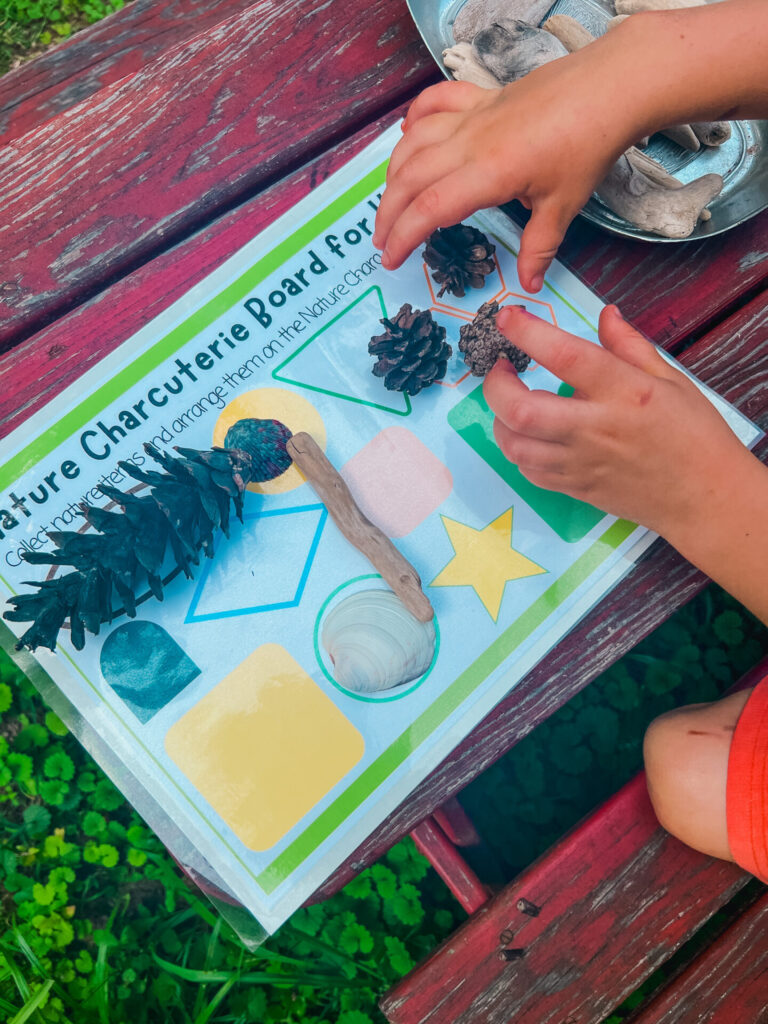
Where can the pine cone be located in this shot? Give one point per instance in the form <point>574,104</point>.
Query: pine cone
<point>412,352</point>
<point>461,257</point>
<point>482,342</point>
<point>184,507</point>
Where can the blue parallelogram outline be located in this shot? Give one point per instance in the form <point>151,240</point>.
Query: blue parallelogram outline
<point>192,617</point>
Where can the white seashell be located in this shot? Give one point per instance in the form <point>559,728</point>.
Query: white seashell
<point>375,643</point>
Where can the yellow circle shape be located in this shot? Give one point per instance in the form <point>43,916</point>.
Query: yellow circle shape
<point>273,404</point>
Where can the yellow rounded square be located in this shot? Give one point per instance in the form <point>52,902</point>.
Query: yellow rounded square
<point>264,746</point>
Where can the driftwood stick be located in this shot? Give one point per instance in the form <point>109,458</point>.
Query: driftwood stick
<point>360,531</point>
<point>683,135</point>
<point>712,133</point>
<point>659,175</point>
<point>571,33</point>
<point>465,67</point>
<point>635,6</point>
<point>653,203</point>
<point>511,49</point>
<point>653,170</point>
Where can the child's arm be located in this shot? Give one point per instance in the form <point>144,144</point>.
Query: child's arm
<point>639,440</point>
<point>548,139</point>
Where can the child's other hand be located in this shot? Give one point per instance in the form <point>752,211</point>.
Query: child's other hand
<point>637,438</point>
<point>546,140</point>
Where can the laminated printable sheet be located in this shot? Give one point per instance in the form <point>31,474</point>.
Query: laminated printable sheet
<point>219,711</point>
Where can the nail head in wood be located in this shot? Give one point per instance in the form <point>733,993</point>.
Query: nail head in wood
<point>511,954</point>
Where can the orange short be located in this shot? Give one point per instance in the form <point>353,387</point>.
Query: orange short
<point>747,793</point>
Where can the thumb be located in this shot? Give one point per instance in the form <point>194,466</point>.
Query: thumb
<point>541,237</point>
<point>621,338</point>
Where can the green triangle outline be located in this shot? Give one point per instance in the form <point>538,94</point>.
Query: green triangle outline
<point>337,394</point>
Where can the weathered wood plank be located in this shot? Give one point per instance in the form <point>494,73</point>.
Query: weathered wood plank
<point>100,55</point>
<point>670,291</point>
<point>615,898</point>
<point>221,115</point>
<point>104,186</point>
<point>733,360</point>
<point>46,363</point>
<point>728,983</point>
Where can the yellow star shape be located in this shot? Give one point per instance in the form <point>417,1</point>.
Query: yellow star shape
<point>484,560</point>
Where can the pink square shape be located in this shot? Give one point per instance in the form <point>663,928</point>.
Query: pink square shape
<point>397,481</point>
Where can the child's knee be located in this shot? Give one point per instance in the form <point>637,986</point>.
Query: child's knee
<point>664,753</point>
<point>686,761</point>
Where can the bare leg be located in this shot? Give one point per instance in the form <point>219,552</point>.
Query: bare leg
<point>686,762</point>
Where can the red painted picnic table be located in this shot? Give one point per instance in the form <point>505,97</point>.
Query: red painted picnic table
<point>139,157</point>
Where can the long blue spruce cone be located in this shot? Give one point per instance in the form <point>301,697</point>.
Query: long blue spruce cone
<point>181,511</point>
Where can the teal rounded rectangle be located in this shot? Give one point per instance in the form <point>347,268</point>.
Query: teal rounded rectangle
<point>570,519</point>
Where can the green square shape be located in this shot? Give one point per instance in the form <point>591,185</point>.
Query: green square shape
<point>473,422</point>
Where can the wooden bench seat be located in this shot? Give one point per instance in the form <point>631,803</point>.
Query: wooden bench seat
<point>728,984</point>
<point>585,925</point>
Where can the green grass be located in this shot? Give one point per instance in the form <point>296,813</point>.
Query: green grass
<point>98,926</point>
<point>28,27</point>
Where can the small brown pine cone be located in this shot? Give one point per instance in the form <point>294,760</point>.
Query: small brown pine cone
<point>461,257</point>
<point>481,343</point>
<point>412,353</point>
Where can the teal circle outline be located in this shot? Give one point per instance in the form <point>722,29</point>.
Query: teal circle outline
<point>349,693</point>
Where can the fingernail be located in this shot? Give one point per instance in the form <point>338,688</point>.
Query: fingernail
<point>618,312</point>
<point>505,363</point>
<point>386,260</point>
<point>524,311</point>
<point>505,313</point>
<point>537,283</point>
<point>403,125</point>
<point>376,241</point>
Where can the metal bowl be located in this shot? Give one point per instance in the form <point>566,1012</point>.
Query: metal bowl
<point>742,161</point>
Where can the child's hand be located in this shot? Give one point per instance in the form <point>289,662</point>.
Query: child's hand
<point>637,438</point>
<point>546,140</point>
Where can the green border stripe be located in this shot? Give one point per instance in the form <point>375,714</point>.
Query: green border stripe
<point>376,773</point>
<point>180,335</point>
